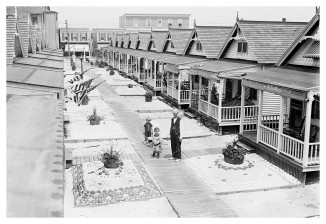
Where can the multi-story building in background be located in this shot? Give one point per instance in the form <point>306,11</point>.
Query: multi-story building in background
<point>42,21</point>
<point>78,40</point>
<point>101,37</point>
<point>134,21</point>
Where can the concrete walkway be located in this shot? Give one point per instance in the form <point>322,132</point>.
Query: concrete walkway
<point>188,195</point>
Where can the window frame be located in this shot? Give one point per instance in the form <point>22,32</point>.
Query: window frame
<point>170,22</point>
<point>180,22</point>
<point>240,48</point>
<point>135,24</point>
<point>159,24</point>
<point>148,24</point>
<point>102,36</point>
<point>199,46</point>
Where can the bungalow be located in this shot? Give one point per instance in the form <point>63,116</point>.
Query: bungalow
<point>247,48</point>
<point>292,140</point>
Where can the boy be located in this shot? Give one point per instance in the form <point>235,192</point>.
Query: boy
<point>157,143</point>
<point>148,130</point>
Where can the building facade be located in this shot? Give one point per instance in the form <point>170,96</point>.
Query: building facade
<point>79,39</point>
<point>134,21</point>
<point>101,37</point>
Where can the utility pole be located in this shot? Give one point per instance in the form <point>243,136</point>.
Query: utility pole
<point>68,38</point>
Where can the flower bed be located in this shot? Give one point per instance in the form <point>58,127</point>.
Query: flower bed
<point>94,184</point>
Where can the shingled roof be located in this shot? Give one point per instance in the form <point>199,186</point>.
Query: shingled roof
<point>133,40</point>
<point>311,26</point>
<point>126,39</point>
<point>159,38</point>
<point>144,38</point>
<point>180,38</point>
<point>212,38</point>
<point>268,40</point>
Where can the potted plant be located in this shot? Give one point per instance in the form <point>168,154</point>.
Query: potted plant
<point>111,72</point>
<point>94,119</point>
<point>130,85</point>
<point>110,157</point>
<point>233,153</point>
<point>148,96</point>
<point>73,66</point>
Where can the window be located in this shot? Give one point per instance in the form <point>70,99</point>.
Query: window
<point>172,45</point>
<point>180,22</point>
<point>242,47</point>
<point>83,36</point>
<point>199,47</point>
<point>148,23</point>
<point>159,23</point>
<point>64,36</point>
<point>102,37</point>
<point>169,22</point>
<point>135,22</point>
<point>91,35</point>
<point>34,20</point>
<point>74,36</point>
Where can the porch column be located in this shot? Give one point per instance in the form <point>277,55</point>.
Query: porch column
<point>190,90</point>
<point>199,93</point>
<point>260,103</point>
<point>154,75</point>
<point>280,125</point>
<point>242,111</point>
<point>127,62</point>
<point>307,123</point>
<point>179,85</point>
<point>119,55</point>
<point>172,87</point>
<point>220,92</point>
<point>209,97</point>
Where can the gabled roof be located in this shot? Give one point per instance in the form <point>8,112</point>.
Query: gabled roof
<point>133,40</point>
<point>125,38</point>
<point>144,38</point>
<point>311,25</point>
<point>159,38</point>
<point>180,38</point>
<point>212,38</point>
<point>268,40</point>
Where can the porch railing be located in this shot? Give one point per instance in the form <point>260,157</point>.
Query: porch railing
<point>231,113</point>
<point>184,95</point>
<point>203,106</point>
<point>172,92</point>
<point>292,147</point>
<point>250,118</point>
<point>268,136</point>
<point>313,155</point>
<point>158,84</point>
<point>208,109</point>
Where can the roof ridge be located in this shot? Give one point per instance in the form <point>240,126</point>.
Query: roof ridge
<point>278,22</point>
<point>214,26</point>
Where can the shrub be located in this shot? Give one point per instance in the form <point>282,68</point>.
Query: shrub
<point>111,156</point>
<point>94,119</point>
<point>112,72</point>
<point>233,151</point>
<point>130,85</point>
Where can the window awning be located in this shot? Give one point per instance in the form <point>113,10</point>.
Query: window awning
<point>77,47</point>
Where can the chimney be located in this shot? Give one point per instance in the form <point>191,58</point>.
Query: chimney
<point>283,19</point>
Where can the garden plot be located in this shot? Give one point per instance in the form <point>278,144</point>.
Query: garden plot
<point>190,128</point>
<point>83,111</point>
<point>255,174</point>
<point>94,184</point>
<point>81,149</point>
<point>82,131</point>
<point>134,91</point>
<point>138,104</point>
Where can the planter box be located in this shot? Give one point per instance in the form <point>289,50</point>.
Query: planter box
<point>233,161</point>
<point>148,98</point>
<point>111,165</point>
<point>95,122</point>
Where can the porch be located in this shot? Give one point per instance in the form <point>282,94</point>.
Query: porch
<point>293,134</point>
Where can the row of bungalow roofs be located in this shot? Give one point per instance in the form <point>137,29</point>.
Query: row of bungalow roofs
<point>35,104</point>
<point>256,76</point>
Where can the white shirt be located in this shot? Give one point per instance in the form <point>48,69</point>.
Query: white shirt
<point>181,130</point>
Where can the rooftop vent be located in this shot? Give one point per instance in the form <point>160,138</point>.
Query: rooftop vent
<point>283,19</point>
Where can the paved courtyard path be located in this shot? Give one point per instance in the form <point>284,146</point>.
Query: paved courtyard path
<point>188,194</point>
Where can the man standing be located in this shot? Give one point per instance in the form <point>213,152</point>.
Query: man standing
<point>175,135</point>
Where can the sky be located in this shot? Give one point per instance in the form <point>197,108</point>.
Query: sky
<point>108,16</point>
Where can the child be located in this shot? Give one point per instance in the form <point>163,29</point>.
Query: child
<point>148,130</point>
<point>157,143</point>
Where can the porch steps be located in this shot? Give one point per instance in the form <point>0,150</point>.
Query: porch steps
<point>189,115</point>
<point>246,147</point>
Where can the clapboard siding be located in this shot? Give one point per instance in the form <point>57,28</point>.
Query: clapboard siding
<point>10,37</point>
<point>233,53</point>
<point>271,103</point>
<point>193,49</point>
